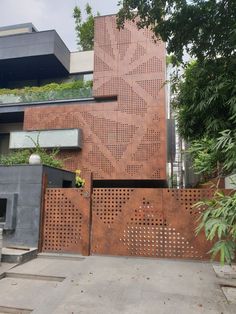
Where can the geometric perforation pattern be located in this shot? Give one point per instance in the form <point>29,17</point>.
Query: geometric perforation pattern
<point>139,52</point>
<point>145,151</point>
<point>148,222</point>
<point>152,87</point>
<point>152,65</point>
<point>108,203</point>
<point>65,221</point>
<point>157,242</point>
<point>186,198</point>
<point>126,138</point>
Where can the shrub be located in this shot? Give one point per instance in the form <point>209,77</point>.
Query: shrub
<point>18,157</point>
<point>51,91</point>
<point>219,223</point>
<point>15,158</point>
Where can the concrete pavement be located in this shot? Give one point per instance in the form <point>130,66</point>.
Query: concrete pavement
<point>111,285</point>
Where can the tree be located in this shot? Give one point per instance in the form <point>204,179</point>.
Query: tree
<point>84,30</point>
<point>204,28</point>
<point>205,100</point>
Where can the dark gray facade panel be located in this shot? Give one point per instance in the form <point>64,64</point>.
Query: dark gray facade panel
<point>22,187</point>
<point>27,45</point>
<point>33,56</point>
<point>60,51</point>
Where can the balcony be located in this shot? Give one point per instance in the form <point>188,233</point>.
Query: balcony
<point>48,93</point>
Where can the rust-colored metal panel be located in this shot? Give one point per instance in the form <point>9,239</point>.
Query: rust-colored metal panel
<point>66,221</point>
<point>181,240</point>
<point>127,222</point>
<point>148,222</point>
<point>125,139</point>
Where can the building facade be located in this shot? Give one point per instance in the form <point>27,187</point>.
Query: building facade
<point>122,124</point>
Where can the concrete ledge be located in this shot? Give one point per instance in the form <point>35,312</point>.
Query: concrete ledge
<point>63,256</point>
<point>14,310</point>
<point>225,272</point>
<point>18,255</point>
<point>33,277</point>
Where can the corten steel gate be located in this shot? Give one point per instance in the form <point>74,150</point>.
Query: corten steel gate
<point>147,222</point>
<point>66,221</point>
<point>124,221</point>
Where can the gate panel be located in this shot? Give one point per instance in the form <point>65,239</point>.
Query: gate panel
<point>66,221</point>
<point>148,222</point>
<point>127,222</point>
<point>180,240</point>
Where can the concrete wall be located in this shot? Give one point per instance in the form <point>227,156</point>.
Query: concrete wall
<point>81,61</point>
<point>22,30</point>
<point>17,29</point>
<point>22,187</point>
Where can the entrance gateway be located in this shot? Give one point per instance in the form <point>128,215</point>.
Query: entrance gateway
<point>146,222</point>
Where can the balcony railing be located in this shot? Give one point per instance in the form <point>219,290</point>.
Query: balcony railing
<point>23,96</point>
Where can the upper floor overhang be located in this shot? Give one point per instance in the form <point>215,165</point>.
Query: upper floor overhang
<point>33,55</point>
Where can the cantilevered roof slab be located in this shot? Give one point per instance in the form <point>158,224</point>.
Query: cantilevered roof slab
<point>29,56</point>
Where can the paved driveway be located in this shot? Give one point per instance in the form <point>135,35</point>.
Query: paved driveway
<point>107,285</point>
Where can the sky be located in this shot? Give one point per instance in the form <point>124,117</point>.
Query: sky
<point>51,14</point>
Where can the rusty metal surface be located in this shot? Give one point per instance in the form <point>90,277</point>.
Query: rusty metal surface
<point>148,222</point>
<point>123,139</point>
<point>66,221</point>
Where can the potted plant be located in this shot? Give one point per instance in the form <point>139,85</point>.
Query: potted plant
<point>79,182</point>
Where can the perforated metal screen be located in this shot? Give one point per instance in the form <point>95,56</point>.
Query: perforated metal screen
<point>123,139</point>
<point>66,221</point>
<point>125,221</point>
<point>148,222</point>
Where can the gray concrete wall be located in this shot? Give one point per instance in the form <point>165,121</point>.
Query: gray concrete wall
<point>81,61</point>
<point>23,216</point>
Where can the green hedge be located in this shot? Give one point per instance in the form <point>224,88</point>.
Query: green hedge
<point>52,91</point>
<point>21,157</point>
